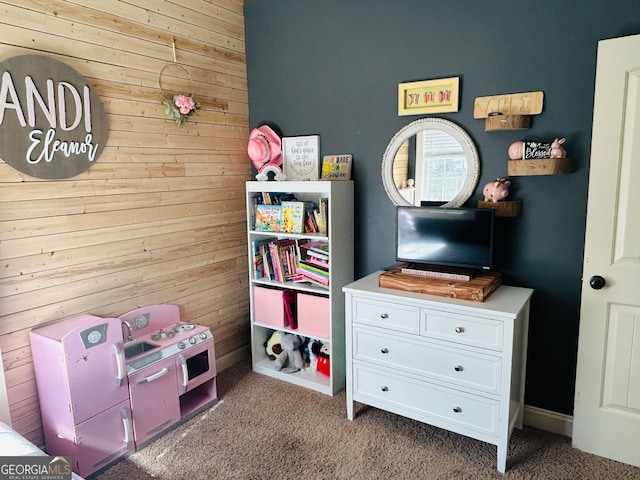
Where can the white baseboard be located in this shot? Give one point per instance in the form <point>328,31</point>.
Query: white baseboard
<point>232,358</point>
<point>549,421</point>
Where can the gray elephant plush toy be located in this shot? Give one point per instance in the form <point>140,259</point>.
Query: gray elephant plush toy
<point>290,360</point>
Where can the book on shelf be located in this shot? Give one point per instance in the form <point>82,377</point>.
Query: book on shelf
<point>311,225</point>
<point>268,218</point>
<point>276,198</point>
<point>319,248</point>
<point>289,299</point>
<point>318,261</point>
<point>261,260</point>
<point>258,266</point>
<point>309,281</point>
<point>324,215</point>
<point>275,263</point>
<point>254,201</point>
<point>308,267</point>
<point>322,279</point>
<point>292,216</point>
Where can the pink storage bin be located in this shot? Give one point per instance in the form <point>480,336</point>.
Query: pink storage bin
<point>268,307</point>
<point>313,315</point>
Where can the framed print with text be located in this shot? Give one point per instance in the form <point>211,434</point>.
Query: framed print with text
<point>301,157</point>
<point>429,96</point>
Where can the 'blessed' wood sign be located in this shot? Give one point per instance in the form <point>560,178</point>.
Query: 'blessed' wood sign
<point>52,125</point>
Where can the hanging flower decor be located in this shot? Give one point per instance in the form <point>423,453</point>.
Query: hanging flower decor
<point>178,107</point>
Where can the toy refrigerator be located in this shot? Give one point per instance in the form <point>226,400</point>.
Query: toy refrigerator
<point>83,390</point>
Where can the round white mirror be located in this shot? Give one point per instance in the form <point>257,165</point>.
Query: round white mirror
<point>431,161</point>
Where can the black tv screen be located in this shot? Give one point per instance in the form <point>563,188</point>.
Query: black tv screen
<point>456,237</point>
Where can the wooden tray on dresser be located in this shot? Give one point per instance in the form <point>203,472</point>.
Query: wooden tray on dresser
<point>477,289</point>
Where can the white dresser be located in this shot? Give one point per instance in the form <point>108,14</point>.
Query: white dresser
<point>455,364</point>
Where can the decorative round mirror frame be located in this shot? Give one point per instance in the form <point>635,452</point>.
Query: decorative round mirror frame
<point>471,154</point>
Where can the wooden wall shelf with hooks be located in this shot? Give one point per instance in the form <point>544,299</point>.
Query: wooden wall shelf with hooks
<point>507,122</point>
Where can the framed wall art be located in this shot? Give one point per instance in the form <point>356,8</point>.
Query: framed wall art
<point>337,167</point>
<point>301,157</point>
<point>429,96</point>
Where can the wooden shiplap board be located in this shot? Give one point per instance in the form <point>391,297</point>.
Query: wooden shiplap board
<point>160,217</point>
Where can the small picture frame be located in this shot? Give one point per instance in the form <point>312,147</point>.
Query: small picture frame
<point>429,96</point>
<point>301,157</point>
<point>337,167</point>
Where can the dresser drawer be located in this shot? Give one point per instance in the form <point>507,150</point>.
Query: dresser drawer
<point>439,404</point>
<point>395,316</point>
<point>464,329</point>
<point>463,368</point>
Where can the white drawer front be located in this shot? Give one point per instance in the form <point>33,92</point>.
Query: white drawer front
<point>438,403</point>
<point>388,315</point>
<point>448,364</point>
<point>475,331</point>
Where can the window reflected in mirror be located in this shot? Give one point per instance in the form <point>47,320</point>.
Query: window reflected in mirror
<point>441,168</point>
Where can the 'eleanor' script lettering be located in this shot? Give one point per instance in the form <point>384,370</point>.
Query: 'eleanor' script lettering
<point>50,146</point>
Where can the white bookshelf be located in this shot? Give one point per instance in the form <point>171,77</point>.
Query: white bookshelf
<point>340,239</point>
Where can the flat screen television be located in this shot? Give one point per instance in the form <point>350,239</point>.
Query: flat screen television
<point>446,237</point>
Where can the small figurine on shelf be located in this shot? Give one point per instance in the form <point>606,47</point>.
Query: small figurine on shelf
<point>557,151</point>
<point>324,359</point>
<point>521,150</point>
<point>496,190</point>
<point>265,152</point>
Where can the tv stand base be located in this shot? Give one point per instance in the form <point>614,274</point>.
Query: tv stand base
<point>477,289</point>
<point>437,271</point>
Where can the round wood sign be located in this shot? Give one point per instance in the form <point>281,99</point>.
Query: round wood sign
<point>52,125</point>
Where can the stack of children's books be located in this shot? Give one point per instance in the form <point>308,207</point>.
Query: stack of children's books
<point>283,213</point>
<point>313,266</point>
<point>275,259</point>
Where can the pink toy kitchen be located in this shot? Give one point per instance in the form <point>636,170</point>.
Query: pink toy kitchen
<point>109,386</point>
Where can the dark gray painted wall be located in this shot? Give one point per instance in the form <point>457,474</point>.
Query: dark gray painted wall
<point>331,68</point>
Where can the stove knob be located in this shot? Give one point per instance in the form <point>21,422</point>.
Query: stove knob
<point>181,345</point>
<point>193,340</point>
<point>203,336</point>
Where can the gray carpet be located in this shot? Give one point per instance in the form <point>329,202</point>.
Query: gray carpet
<point>266,429</point>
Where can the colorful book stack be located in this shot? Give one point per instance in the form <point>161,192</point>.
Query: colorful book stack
<point>314,263</point>
<point>275,259</point>
<point>281,212</point>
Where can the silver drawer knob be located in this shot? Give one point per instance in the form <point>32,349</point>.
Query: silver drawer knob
<point>458,368</point>
<point>384,388</point>
<point>459,329</point>
<point>384,315</point>
<point>457,409</point>
<point>384,350</point>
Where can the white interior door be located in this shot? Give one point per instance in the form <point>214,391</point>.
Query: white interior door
<point>607,400</point>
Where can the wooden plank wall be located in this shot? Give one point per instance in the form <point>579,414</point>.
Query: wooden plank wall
<point>160,216</point>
